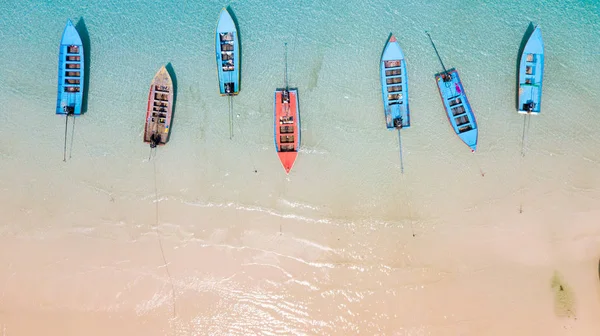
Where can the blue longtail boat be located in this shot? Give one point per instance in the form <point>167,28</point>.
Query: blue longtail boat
<point>531,74</point>
<point>394,89</point>
<point>70,72</point>
<point>459,112</point>
<point>394,86</point>
<point>228,55</point>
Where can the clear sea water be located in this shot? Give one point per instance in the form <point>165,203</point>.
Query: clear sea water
<point>347,173</point>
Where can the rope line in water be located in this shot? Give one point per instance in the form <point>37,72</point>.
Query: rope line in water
<point>409,206</point>
<point>72,136</point>
<point>481,172</point>
<point>230,105</point>
<point>401,156</point>
<point>526,123</point>
<point>66,128</point>
<point>244,140</point>
<point>162,251</point>
<point>521,184</point>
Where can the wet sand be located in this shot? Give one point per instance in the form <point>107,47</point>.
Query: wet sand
<point>241,275</point>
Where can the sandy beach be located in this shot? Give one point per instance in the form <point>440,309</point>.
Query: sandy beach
<point>239,269</point>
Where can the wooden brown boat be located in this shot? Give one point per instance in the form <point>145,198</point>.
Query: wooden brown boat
<point>160,109</point>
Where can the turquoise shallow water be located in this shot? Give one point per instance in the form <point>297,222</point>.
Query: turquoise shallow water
<point>348,170</point>
<point>348,166</point>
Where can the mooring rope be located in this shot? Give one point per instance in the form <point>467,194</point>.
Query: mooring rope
<point>162,251</point>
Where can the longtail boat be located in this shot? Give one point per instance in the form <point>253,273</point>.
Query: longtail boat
<point>287,124</point>
<point>459,112</point>
<point>70,72</point>
<point>160,109</point>
<point>531,74</point>
<point>228,55</point>
<point>394,86</point>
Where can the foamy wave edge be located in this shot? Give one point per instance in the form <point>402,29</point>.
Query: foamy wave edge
<point>271,212</point>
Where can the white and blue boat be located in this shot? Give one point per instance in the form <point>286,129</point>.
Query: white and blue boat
<point>531,74</point>
<point>394,86</point>
<point>70,72</point>
<point>459,112</point>
<point>458,109</point>
<point>228,55</point>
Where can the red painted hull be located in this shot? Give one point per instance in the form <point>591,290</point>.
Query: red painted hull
<point>287,127</point>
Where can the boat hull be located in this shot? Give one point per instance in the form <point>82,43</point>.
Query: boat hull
<point>459,112</point>
<point>531,75</point>
<point>159,111</point>
<point>228,55</point>
<point>70,72</point>
<point>286,126</point>
<point>394,86</point>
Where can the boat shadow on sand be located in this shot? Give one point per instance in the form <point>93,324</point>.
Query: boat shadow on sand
<point>171,72</point>
<point>87,48</point>
<point>530,29</point>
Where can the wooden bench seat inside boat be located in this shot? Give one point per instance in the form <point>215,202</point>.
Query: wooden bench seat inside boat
<point>226,36</point>
<point>394,88</point>
<point>286,129</point>
<point>529,70</point>
<point>286,148</point>
<point>530,58</point>
<point>454,101</point>
<point>226,47</point>
<point>286,120</point>
<point>465,128</point>
<point>73,49</point>
<point>394,96</point>
<point>161,88</point>
<point>458,110</point>
<point>392,64</point>
<point>161,96</point>
<point>286,139</point>
<point>462,120</point>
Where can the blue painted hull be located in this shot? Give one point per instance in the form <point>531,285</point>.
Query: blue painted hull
<point>458,109</point>
<point>70,72</point>
<point>228,55</point>
<point>394,86</point>
<point>531,74</point>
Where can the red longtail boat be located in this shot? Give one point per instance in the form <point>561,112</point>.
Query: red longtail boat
<point>287,126</point>
<point>287,123</point>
